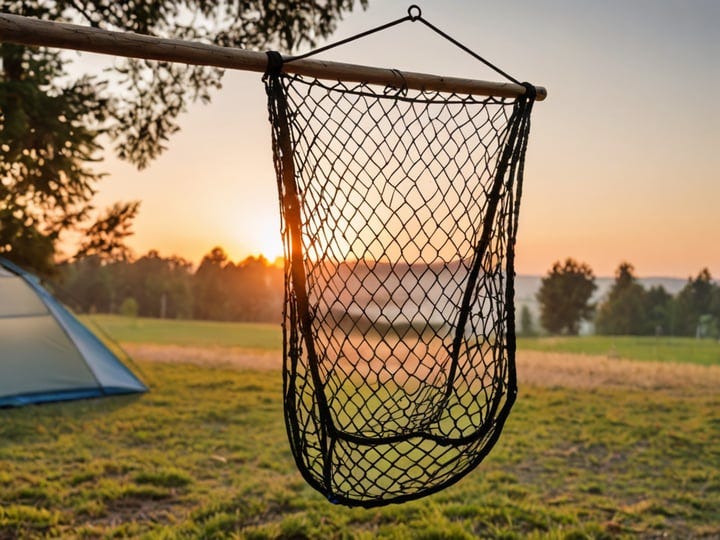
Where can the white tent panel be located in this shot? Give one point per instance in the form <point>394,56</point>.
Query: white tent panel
<point>37,356</point>
<point>46,354</point>
<point>17,298</point>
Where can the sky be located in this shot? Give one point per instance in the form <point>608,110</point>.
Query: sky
<point>623,162</point>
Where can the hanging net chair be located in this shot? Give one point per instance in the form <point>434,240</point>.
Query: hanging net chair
<point>399,214</point>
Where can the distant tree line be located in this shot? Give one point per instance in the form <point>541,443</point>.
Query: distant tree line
<point>169,287</point>
<point>252,290</point>
<point>629,308</point>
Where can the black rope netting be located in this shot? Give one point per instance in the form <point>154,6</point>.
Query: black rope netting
<point>399,214</point>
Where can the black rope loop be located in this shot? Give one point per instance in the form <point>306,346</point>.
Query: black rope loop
<point>530,91</point>
<point>414,12</point>
<point>399,230</point>
<point>401,90</point>
<point>274,65</point>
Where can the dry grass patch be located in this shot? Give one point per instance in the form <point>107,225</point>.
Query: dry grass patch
<point>581,371</point>
<point>235,357</point>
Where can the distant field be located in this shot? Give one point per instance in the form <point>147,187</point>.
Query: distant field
<point>661,349</point>
<point>269,337</point>
<point>184,332</point>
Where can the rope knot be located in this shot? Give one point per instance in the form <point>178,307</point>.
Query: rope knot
<point>530,91</point>
<point>275,63</point>
<point>401,90</point>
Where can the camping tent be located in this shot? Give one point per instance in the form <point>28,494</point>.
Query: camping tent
<point>46,354</point>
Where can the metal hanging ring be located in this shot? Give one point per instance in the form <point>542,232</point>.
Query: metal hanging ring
<point>414,12</point>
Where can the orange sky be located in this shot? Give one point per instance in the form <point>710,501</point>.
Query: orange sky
<point>624,156</point>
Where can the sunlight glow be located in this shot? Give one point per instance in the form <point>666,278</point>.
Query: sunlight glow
<point>614,172</point>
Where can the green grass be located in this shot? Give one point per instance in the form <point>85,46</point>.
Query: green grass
<point>204,455</point>
<point>188,332</point>
<point>660,349</point>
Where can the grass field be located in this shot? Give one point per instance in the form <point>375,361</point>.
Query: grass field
<point>184,332</point>
<point>658,349</point>
<point>205,455</point>
<point>269,337</point>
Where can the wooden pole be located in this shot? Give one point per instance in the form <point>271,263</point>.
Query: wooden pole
<point>36,32</point>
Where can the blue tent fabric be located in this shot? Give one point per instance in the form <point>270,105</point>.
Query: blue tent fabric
<point>46,353</point>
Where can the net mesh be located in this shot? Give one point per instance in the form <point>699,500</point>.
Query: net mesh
<point>399,211</point>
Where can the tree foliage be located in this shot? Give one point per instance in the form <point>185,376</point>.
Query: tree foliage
<point>623,313</point>
<point>162,286</point>
<point>697,305</point>
<point>527,324</point>
<point>564,297</point>
<point>250,290</point>
<point>53,122</point>
<point>630,309</point>
<point>48,139</point>
<point>105,238</point>
<point>658,311</point>
<point>209,286</point>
